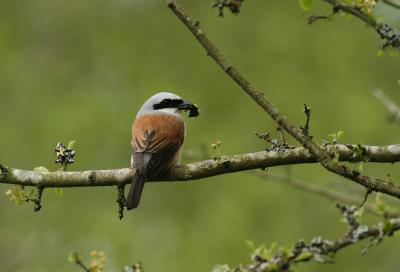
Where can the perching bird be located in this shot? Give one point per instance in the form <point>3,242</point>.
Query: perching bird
<point>158,133</point>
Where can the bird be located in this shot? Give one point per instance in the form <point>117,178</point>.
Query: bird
<point>158,133</point>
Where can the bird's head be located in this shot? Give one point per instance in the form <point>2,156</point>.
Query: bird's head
<point>165,102</point>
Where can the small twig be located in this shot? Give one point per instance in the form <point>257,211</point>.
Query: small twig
<point>392,3</point>
<point>263,136</point>
<point>390,35</point>
<point>83,266</point>
<point>319,190</point>
<point>121,200</point>
<point>38,199</point>
<point>277,145</point>
<point>306,129</point>
<point>365,198</point>
<point>390,105</point>
<point>312,19</point>
<point>282,134</point>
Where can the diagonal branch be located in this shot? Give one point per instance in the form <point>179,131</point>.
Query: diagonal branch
<point>194,171</point>
<point>322,155</point>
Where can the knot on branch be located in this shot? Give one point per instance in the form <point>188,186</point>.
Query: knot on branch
<point>233,5</point>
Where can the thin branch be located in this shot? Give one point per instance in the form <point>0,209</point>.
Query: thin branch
<point>38,198</point>
<point>391,106</point>
<point>319,190</point>
<point>353,10</point>
<point>194,171</point>
<point>322,155</point>
<point>392,3</point>
<point>121,200</point>
<point>82,265</point>
<point>387,33</point>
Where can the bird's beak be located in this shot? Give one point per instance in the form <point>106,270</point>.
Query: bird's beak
<point>189,106</point>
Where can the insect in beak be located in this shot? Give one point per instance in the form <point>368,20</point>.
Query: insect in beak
<point>189,106</point>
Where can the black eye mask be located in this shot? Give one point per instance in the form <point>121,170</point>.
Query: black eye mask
<point>180,105</point>
<point>168,103</point>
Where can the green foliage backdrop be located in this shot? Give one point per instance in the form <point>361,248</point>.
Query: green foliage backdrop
<point>80,70</point>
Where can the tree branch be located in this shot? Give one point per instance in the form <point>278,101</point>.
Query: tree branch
<point>194,171</point>
<point>322,155</point>
<point>321,191</point>
<point>387,33</point>
<point>318,249</point>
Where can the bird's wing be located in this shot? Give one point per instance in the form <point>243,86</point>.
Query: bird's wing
<point>154,149</point>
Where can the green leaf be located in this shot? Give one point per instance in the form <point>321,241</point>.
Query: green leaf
<point>339,134</point>
<point>41,169</point>
<point>380,204</point>
<point>380,53</point>
<point>221,268</point>
<point>304,256</point>
<point>59,191</point>
<point>388,226</point>
<point>306,5</point>
<point>273,267</point>
<point>16,195</point>
<point>388,51</point>
<point>74,257</point>
<point>250,244</point>
<point>71,144</point>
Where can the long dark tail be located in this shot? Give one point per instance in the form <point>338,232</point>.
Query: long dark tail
<point>135,191</point>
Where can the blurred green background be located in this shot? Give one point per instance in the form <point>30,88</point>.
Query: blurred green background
<point>81,69</point>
